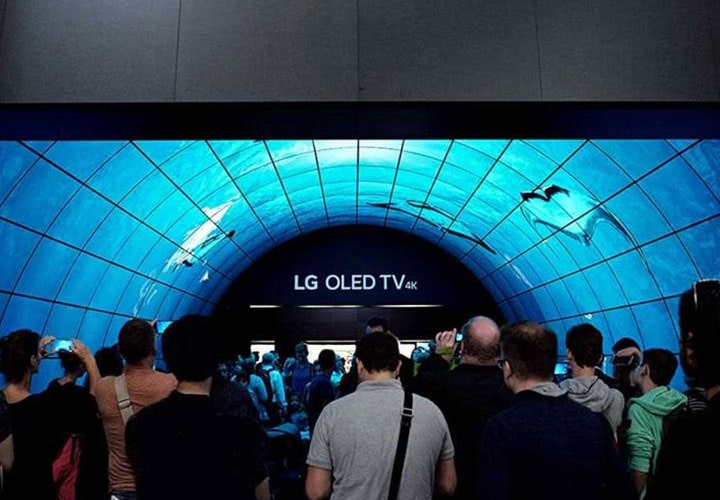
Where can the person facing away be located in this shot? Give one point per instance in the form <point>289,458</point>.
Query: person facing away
<point>298,370</point>
<point>626,355</point>
<point>349,381</point>
<point>469,394</point>
<point>321,390</point>
<point>80,468</point>
<point>646,413</point>
<point>109,361</point>
<point>276,400</point>
<point>180,447</point>
<point>545,445</point>
<point>352,449</point>
<point>697,399</point>
<point>584,351</point>
<point>27,438</point>
<point>136,342</point>
<point>689,458</point>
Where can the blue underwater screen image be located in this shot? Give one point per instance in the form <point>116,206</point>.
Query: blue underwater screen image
<point>609,232</point>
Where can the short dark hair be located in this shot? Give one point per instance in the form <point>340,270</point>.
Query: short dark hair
<point>136,340</point>
<point>16,352</point>
<point>662,364</point>
<point>586,342</point>
<point>699,313</point>
<point>375,321</point>
<point>188,349</point>
<point>109,361</point>
<point>378,351</point>
<point>70,361</point>
<point>624,343</point>
<point>326,359</point>
<point>530,348</point>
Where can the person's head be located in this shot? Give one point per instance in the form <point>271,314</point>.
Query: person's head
<point>223,370</point>
<point>584,345</point>
<point>624,343</point>
<point>406,371</point>
<point>528,352</point>
<point>378,352</point>
<point>376,324</point>
<point>301,352</point>
<point>268,359</point>
<point>109,361</point>
<point>137,341</point>
<point>339,363</point>
<point>657,368</point>
<point>626,357</point>
<point>19,354</point>
<point>189,352</point>
<point>481,341</point>
<point>243,377</point>
<point>699,322</point>
<point>326,359</point>
<point>71,363</point>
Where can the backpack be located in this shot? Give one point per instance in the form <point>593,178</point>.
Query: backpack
<point>265,376</point>
<point>66,467</point>
<point>671,417</point>
<point>273,410</point>
<point>678,412</point>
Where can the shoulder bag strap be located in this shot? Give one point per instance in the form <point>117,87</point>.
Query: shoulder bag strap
<point>405,421</point>
<point>123,398</point>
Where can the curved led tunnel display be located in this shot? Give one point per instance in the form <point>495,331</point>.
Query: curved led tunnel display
<point>560,231</point>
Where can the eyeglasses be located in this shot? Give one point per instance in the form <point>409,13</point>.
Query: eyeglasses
<point>500,362</point>
<point>697,285</point>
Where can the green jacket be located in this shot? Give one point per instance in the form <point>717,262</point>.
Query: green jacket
<point>646,415</point>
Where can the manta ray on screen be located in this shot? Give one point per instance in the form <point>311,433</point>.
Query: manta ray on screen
<point>575,215</point>
<point>437,217</point>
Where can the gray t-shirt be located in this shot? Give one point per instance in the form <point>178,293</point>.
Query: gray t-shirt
<point>356,437</point>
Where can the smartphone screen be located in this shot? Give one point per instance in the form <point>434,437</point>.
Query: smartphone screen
<point>62,345</point>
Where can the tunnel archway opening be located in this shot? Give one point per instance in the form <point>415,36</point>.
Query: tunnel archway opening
<point>323,286</point>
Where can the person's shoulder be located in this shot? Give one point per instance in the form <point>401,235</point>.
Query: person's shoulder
<point>163,379</point>
<point>157,412</point>
<point>616,395</point>
<point>105,384</point>
<point>426,405</point>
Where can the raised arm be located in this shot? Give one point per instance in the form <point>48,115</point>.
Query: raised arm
<point>90,365</point>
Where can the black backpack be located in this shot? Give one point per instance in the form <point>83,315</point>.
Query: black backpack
<point>273,410</point>
<point>265,376</point>
<point>678,412</point>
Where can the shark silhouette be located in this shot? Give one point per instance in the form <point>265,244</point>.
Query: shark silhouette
<point>444,221</point>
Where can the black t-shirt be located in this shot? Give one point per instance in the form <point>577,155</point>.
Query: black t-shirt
<point>181,448</point>
<point>33,430</point>
<point>75,412</point>
<point>5,425</point>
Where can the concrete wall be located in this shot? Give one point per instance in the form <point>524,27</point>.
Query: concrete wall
<point>374,50</point>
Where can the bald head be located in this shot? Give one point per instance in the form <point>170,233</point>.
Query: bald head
<point>481,337</point>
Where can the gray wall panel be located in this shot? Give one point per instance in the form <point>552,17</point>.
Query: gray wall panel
<point>267,50</point>
<point>327,50</point>
<point>713,16</point>
<point>439,50</point>
<point>620,50</point>
<point>75,50</point>
<point>3,6</point>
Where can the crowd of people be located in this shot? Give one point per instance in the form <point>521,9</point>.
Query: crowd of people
<point>482,414</point>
